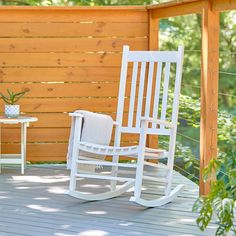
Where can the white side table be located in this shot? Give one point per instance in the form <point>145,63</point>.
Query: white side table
<point>17,158</point>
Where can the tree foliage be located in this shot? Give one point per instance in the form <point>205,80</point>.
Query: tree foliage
<point>74,2</point>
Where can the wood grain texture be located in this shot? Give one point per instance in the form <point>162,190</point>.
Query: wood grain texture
<point>209,91</point>
<point>73,29</point>
<point>65,89</point>
<point>52,135</point>
<point>67,104</point>
<point>49,45</point>
<point>223,5</point>
<point>40,151</point>
<point>48,14</point>
<point>178,9</point>
<point>60,74</point>
<point>153,44</point>
<point>60,59</point>
<point>67,59</point>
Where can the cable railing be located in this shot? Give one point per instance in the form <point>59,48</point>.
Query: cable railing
<point>179,166</point>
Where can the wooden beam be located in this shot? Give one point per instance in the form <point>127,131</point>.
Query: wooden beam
<point>72,8</point>
<point>209,90</point>
<point>223,5</point>
<point>153,32</point>
<point>177,9</point>
<point>152,141</point>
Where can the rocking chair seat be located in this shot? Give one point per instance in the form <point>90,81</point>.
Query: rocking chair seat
<point>131,151</point>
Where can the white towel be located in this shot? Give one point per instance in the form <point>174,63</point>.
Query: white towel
<point>97,129</point>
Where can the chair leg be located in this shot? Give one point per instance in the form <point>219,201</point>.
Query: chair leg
<point>140,162</point>
<point>72,185</point>
<point>169,182</point>
<point>115,159</point>
<point>75,152</point>
<point>170,162</point>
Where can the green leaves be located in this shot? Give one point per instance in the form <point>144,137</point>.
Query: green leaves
<point>221,200</point>
<point>12,98</point>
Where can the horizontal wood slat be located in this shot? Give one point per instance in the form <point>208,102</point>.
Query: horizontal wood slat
<point>67,104</point>
<point>50,120</point>
<point>49,152</point>
<point>59,120</point>
<point>69,44</point>
<point>71,74</point>
<point>65,30</point>
<point>48,14</point>
<point>10,134</point>
<point>40,151</point>
<point>60,59</point>
<point>65,89</point>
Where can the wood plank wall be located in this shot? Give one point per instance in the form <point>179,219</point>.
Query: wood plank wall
<point>67,59</point>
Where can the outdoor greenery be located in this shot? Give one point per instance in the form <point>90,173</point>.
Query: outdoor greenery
<point>75,2</point>
<point>11,98</point>
<point>220,203</point>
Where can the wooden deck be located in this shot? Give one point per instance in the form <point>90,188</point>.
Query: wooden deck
<point>35,204</point>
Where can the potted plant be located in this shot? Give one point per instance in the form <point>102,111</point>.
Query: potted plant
<point>11,109</point>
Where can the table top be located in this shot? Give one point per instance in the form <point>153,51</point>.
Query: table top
<point>19,119</point>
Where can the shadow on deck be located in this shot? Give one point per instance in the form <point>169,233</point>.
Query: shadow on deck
<point>35,204</point>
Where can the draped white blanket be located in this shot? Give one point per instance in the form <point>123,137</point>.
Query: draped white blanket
<point>97,129</point>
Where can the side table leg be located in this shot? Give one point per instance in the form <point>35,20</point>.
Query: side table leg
<point>23,147</point>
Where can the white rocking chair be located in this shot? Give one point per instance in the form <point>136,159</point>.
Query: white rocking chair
<point>143,119</point>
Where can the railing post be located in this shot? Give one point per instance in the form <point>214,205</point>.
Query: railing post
<point>153,31</point>
<point>209,90</point>
<point>153,43</point>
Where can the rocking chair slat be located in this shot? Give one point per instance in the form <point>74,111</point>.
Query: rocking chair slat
<point>132,94</point>
<point>157,92</point>
<point>149,89</point>
<point>165,92</point>
<point>147,56</point>
<point>140,94</point>
<point>106,163</point>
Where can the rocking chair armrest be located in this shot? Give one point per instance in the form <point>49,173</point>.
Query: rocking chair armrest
<point>76,114</point>
<point>157,121</point>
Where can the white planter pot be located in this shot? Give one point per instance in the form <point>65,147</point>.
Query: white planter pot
<point>12,111</point>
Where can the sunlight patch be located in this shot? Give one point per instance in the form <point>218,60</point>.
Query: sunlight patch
<point>85,233</point>
<point>39,179</point>
<point>93,232</point>
<point>187,220</point>
<point>42,208</point>
<point>96,212</point>
<point>56,190</point>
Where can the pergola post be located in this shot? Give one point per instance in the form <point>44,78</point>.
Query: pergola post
<point>153,32</point>
<point>209,90</point>
<point>153,45</point>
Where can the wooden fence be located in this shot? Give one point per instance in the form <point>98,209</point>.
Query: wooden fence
<point>69,58</point>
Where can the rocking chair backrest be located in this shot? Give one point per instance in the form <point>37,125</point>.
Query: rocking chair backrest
<point>149,94</point>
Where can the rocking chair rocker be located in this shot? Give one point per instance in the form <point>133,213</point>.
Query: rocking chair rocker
<point>147,115</point>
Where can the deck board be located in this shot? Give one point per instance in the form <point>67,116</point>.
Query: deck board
<point>35,204</point>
